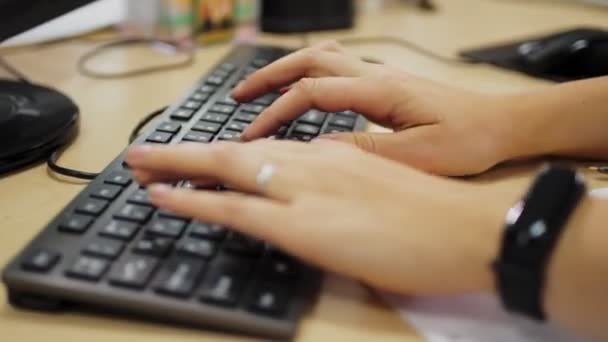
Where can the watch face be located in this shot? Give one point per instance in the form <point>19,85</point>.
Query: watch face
<point>514,212</point>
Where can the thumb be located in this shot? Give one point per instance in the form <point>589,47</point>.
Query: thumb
<point>378,143</point>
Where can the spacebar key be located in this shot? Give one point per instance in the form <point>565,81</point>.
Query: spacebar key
<point>133,271</point>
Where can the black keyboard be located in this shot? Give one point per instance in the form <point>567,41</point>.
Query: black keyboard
<point>111,249</point>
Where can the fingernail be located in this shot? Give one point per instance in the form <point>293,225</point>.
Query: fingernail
<point>157,191</point>
<point>137,153</point>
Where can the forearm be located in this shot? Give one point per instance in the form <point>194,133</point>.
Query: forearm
<point>577,278</point>
<point>575,293</point>
<point>569,119</point>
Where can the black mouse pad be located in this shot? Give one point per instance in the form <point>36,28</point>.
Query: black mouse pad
<point>506,55</point>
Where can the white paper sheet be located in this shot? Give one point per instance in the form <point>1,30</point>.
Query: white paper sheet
<point>97,15</point>
<point>473,318</point>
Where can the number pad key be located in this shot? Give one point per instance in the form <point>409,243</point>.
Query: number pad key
<point>200,137</point>
<point>166,227</point>
<point>208,127</point>
<point>88,268</point>
<point>117,229</point>
<point>40,261</point>
<point>133,212</point>
<point>179,276</point>
<point>133,271</point>
<point>104,248</point>
<point>76,224</point>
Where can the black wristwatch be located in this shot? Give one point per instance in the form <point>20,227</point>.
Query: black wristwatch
<point>533,228</point>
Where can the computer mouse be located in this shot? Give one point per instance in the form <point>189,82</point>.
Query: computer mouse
<point>34,121</point>
<point>579,54</point>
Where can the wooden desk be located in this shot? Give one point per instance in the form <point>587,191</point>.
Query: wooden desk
<point>110,109</point>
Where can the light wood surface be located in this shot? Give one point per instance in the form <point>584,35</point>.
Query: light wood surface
<point>346,311</point>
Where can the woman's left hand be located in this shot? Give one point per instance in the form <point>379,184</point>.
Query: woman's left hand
<point>336,206</point>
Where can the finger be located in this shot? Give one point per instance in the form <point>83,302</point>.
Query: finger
<point>373,97</point>
<point>231,163</point>
<point>258,217</point>
<point>329,45</point>
<point>308,62</point>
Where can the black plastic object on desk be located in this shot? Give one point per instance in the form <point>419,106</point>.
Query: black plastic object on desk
<point>563,56</point>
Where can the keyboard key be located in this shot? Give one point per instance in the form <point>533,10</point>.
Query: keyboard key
<point>179,276</point>
<point>349,113</point>
<point>301,137</point>
<point>134,271</point>
<point>201,137</point>
<point>279,268</point>
<point>133,212</point>
<point>282,131</point>
<point>230,136</point>
<point>106,191</point>
<point>169,127</point>
<point>260,62</point>
<point>313,117</point>
<point>342,121</point>
<point>228,100</point>
<point>243,245</point>
<point>41,260</point>
<point>208,127</point>
<point>166,227</point>
<point>197,248</point>
<point>121,230</point>
<point>159,137</point>
<point>193,105</point>
<point>207,231</point>
<point>221,73</point>
<point>215,80</point>
<point>270,299</point>
<point>244,116</point>
<point>237,126</point>
<point>91,206</point>
<point>228,67</point>
<point>154,246</point>
<point>253,108</point>
<point>104,248</point>
<point>267,99</point>
<point>88,268</point>
<point>76,224</point>
<point>306,129</point>
<point>207,88</point>
<point>335,129</point>
<point>215,117</point>
<point>200,96</point>
<point>221,108</point>
<point>224,284</point>
<point>140,196</point>
<point>121,178</point>
<point>183,114</point>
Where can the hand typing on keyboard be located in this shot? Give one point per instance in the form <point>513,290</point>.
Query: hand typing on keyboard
<point>338,207</point>
<point>440,129</point>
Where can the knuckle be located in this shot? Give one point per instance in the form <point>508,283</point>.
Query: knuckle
<point>310,56</point>
<point>330,44</point>
<point>307,86</point>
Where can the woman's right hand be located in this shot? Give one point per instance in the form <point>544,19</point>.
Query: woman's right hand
<point>439,129</point>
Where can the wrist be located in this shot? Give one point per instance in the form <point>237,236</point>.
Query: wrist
<point>483,239</point>
<point>523,126</point>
